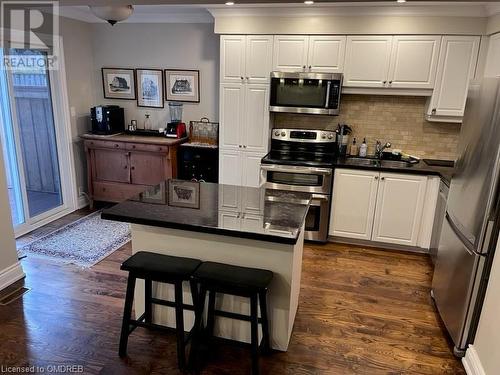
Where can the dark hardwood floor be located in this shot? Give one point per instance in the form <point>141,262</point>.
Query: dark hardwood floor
<point>361,311</point>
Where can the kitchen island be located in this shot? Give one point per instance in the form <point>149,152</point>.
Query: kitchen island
<point>244,226</point>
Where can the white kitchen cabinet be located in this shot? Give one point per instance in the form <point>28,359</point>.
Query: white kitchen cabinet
<point>232,115</point>
<point>255,129</point>
<point>290,53</point>
<point>258,58</point>
<point>353,203</point>
<point>319,53</point>
<point>457,63</point>
<point>239,168</point>
<point>381,207</point>
<point>230,172</point>
<point>246,59</point>
<point>326,53</point>
<point>367,61</point>
<point>414,61</point>
<point>232,58</point>
<point>398,214</point>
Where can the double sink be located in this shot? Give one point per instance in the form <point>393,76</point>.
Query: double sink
<point>377,163</point>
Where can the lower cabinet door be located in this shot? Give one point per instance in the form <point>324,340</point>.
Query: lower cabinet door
<point>229,220</point>
<point>230,167</point>
<point>251,169</point>
<point>252,223</point>
<point>400,203</point>
<point>147,168</point>
<point>353,203</point>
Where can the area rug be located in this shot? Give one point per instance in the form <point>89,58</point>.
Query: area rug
<point>84,242</point>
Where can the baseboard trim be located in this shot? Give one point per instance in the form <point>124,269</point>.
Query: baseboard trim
<point>378,245</point>
<point>82,202</point>
<point>10,275</point>
<point>471,362</point>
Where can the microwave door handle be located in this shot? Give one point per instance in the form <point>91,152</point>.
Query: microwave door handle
<point>328,86</point>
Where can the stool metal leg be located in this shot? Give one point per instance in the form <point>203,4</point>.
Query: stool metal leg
<point>265,345</point>
<point>211,314</point>
<point>148,293</point>
<point>179,326</point>
<point>254,334</point>
<point>127,312</point>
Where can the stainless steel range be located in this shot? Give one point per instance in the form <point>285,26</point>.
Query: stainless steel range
<point>302,160</point>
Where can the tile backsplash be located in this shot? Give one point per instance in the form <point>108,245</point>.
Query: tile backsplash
<point>396,119</point>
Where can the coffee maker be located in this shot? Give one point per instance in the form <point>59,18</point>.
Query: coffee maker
<point>107,119</point>
<point>175,128</point>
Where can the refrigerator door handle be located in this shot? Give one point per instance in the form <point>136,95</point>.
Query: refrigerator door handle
<point>487,236</point>
<point>467,244</point>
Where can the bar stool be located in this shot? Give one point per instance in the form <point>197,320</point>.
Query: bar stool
<point>165,269</point>
<point>252,283</point>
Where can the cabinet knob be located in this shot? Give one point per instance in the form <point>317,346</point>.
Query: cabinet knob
<point>382,178</point>
<point>310,67</point>
<point>247,78</point>
<point>433,111</point>
<point>390,82</point>
<point>303,66</point>
<point>244,146</point>
<point>239,146</point>
<point>133,168</point>
<point>125,167</point>
<point>384,82</point>
<point>242,78</point>
<point>376,177</point>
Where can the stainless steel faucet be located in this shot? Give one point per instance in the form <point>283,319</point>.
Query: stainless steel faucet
<point>379,149</point>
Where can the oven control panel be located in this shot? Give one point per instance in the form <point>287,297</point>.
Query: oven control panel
<point>304,135</point>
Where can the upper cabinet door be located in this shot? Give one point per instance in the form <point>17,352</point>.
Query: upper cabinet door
<point>326,54</point>
<point>400,203</point>
<point>414,62</point>
<point>353,204</point>
<point>232,58</point>
<point>231,113</point>
<point>367,61</point>
<point>255,130</point>
<point>290,53</point>
<point>259,58</point>
<point>457,62</point>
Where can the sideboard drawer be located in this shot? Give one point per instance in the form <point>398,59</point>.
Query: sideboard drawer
<point>115,192</point>
<point>105,144</point>
<point>147,148</point>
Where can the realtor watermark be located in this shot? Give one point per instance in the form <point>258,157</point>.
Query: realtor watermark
<point>30,35</point>
<point>48,369</point>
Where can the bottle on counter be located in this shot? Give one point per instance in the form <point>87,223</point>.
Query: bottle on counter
<point>363,149</point>
<point>147,123</point>
<point>354,148</point>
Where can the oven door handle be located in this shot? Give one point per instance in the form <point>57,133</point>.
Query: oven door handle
<point>280,168</point>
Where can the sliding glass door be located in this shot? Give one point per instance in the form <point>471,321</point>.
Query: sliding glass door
<point>30,144</point>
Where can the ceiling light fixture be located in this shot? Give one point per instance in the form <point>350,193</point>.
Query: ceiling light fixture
<point>401,1</point>
<point>229,2</point>
<point>112,13</point>
<point>309,2</point>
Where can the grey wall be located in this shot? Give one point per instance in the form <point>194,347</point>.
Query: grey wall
<point>181,46</point>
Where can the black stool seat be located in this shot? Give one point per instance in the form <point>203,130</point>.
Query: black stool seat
<point>224,275</point>
<point>158,266</point>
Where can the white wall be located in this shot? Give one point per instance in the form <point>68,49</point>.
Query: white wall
<point>181,46</point>
<point>8,254</point>
<point>78,55</point>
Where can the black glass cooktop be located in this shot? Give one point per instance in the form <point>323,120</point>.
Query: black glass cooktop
<point>310,159</point>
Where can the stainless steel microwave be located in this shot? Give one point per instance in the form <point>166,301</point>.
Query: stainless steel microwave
<point>305,92</point>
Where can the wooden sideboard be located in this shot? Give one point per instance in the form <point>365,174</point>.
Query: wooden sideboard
<point>120,166</point>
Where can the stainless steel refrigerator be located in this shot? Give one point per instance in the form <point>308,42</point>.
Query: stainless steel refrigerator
<point>471,225</point>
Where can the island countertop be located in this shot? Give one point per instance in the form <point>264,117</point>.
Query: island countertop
<point>254,213</point>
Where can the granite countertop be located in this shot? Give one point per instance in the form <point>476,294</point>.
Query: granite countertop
<point>419,168</point>
<point>122,137</point>
<point>268,215</point>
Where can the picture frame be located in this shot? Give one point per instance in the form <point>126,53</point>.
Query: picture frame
<point>150,88</point>
<point>182,85</point>
<point>154,195</point>
<point>118,83</point>
<point>184,194</point>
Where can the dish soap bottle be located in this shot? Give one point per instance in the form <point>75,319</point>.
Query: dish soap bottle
<point>363,148</point>
<point>147,123</point>
<point>354,148</point>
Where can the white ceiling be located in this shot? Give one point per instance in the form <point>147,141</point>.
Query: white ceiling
<point>202,13</point>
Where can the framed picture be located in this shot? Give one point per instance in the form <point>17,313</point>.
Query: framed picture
<point>184,194</point>
<point>118,83</point>
<point>150,88</point>
<point>182,85</point>
<point>154,195</point>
